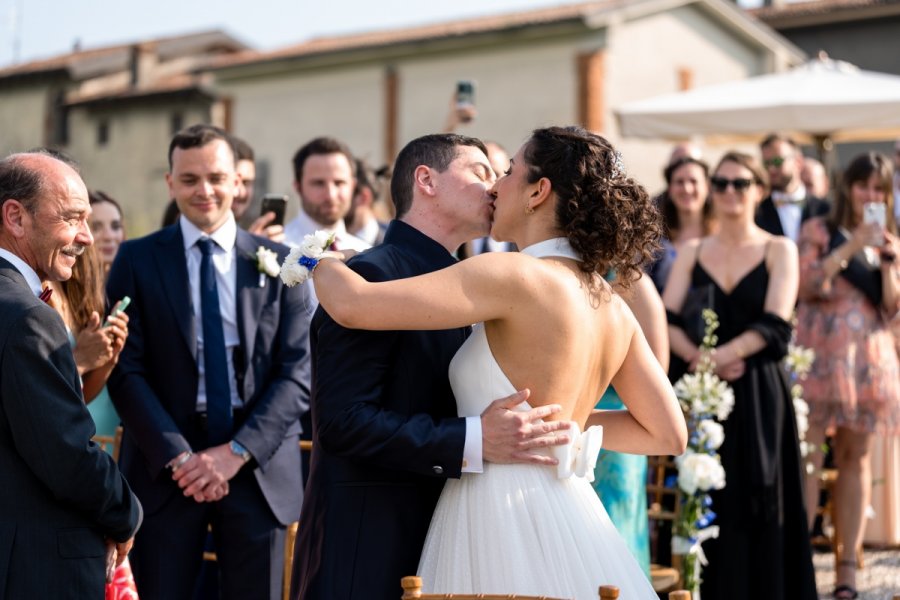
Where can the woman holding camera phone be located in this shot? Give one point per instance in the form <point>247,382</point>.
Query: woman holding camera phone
<point>848,293</point>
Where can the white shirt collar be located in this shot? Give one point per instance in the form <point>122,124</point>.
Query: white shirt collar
<point>225,236</point>
<point>306,223</point>
<point>31,278</point>
<point>798,195</point>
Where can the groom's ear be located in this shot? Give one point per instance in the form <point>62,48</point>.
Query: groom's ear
<point>541,190</point>
<point>423,179</point>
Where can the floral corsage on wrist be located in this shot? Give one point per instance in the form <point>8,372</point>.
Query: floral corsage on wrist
<point>266,264</point>
<point>302,260</point>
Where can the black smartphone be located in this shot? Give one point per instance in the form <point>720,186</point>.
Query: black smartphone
<point>465,93</point>
<point>275,203</point>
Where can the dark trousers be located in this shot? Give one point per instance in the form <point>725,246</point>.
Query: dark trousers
<point>249,542</point>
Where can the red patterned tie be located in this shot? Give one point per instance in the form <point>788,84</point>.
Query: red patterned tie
<point>45,294</point>
<point>334,245</point>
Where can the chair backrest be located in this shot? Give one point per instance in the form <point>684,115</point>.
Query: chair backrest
<point>663,502</point>
<point>680,595</point>
<point>289,539</point>
<point>412,589</point>
<point>111,443</point>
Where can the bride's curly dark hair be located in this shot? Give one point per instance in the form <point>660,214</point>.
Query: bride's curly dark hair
<point>607,216</point>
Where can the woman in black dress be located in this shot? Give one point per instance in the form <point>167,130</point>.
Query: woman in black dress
<point>750,277</point>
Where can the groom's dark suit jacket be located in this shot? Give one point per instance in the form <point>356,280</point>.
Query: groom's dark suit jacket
<point>61,494</point>
<point>385,438</point>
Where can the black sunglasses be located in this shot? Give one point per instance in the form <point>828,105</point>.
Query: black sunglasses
<point>720,184</point>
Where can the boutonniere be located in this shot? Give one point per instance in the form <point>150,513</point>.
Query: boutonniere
<point>300,263</point>
<point>266,264</point>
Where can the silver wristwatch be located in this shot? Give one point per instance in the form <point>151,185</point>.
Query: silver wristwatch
<point>239,450</point>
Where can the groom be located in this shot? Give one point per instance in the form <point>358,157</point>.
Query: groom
<point>385,429</point>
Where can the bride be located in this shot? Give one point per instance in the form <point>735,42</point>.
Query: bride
<point>550,323</point>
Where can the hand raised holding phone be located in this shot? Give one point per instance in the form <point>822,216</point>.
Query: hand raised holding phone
<point>116,326</point>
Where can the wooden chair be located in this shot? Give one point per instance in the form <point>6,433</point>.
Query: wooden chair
<point>680,595</point>
<point>111,443</point>
<point>663,506</point>
<point>412,588</point>
<point>289,540</point>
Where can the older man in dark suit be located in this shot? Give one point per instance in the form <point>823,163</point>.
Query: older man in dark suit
<point>790,203</point>
<point>65,506</point>
<point>210,385</point>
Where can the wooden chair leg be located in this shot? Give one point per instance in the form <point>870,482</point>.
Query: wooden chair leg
<point>412,587</point>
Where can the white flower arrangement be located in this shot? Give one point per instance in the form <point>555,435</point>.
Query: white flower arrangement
<point>705,400</point>
<point>798,363</point>
<point>302,260</point>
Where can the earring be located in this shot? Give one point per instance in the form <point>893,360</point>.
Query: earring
<point>529,210</point>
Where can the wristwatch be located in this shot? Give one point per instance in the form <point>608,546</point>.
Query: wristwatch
<point>239,450</point>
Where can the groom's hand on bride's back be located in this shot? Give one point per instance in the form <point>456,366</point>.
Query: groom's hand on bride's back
<point>512,436</point>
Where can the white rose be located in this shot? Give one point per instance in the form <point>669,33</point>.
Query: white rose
<point>321,239</point>
<point>713,432</point>
<point>267,261</point>
<point>700,472</point>
<point>292,272</point>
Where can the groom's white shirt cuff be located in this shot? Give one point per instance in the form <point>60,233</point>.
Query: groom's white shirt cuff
<point>472,453</point>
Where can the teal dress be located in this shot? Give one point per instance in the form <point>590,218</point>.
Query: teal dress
<point>101,408</point>
<point>620,481</point>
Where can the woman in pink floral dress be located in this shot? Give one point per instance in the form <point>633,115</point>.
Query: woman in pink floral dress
<point>848,292</point>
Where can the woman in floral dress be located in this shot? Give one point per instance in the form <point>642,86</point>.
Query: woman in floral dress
<point>848,292</point>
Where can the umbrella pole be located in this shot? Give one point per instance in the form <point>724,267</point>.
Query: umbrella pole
<point>828,157</point>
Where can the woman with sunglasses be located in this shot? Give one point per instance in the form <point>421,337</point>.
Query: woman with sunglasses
<point>751,276</point>
<point>849,290</point>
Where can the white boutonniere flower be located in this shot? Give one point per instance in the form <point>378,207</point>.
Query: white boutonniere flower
<point>302,260</point>
<point>266,264</point>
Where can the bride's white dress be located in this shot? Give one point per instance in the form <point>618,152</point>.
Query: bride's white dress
<point>524,529</point>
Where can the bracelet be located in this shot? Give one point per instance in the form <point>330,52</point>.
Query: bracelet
<point>180,460</point>
<point>840,263</point>
<point>303,260</point>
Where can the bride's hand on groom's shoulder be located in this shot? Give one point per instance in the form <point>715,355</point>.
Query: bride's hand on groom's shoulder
<point>511,436</point>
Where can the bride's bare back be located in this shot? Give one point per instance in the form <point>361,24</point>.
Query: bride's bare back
<point>548,330</point>
<point>565,342</point>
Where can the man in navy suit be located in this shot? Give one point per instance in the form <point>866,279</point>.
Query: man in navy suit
<point>64,507</point>
<point>790,203</point>
<point>386,434</point>
<point>210,386</point>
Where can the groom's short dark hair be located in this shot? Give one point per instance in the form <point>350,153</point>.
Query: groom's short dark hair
<point>436,151</point>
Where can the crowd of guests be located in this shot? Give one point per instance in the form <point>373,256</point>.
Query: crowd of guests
<point>755,238</point>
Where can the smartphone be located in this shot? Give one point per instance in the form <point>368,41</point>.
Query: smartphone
<point>465,93</point>
<point>119,308</point>
<point>875,212</point>
<point>275,203</point>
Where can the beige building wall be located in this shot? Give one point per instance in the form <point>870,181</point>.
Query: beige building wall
<point>279,113</point>
<point>131,166</point>
<point>22,114</point>
<point>651,56</point>
<point>519,86</point>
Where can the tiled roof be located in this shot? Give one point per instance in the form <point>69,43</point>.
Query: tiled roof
<point>110,58</point>
<point>818,8</point>
<point>433,31</point>
<point>176,83</point>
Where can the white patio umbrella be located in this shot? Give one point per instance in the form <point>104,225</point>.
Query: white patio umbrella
<point>823,98</point>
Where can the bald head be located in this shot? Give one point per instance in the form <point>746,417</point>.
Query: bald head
<point>685,150</point>
<point>44,210</point>
<point>814,177</point>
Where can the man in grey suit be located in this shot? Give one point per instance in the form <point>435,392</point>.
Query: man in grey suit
<point>210,386</point>
<point>66,511</point>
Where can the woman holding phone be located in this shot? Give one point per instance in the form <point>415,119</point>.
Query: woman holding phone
<point>849,291</point>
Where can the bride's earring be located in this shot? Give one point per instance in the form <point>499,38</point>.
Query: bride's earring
<point>529,210</point>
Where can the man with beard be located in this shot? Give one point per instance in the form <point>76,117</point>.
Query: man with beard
<point>789,204</point>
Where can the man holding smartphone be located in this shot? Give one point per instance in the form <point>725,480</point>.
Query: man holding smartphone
<point>267,224</point>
